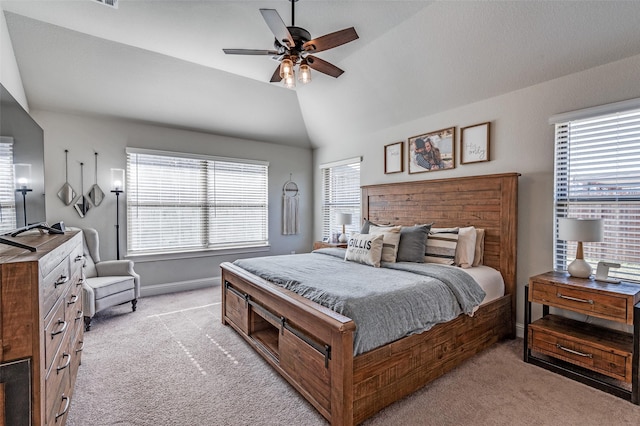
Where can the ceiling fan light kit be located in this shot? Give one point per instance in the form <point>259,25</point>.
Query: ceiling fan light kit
<point>293,47</point>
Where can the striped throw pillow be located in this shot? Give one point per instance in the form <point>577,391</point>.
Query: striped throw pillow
<point>391,241</point>
<point>441,246</point>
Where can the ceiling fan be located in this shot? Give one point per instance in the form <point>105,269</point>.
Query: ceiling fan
<point>294,46</point>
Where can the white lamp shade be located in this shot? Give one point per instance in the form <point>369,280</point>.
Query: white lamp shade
<point>117,179</point>
<point>22,174</point>
<point>343,218</point>
<point>584,230</point>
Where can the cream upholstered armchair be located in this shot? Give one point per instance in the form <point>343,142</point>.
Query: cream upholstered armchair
<point>107,283</point>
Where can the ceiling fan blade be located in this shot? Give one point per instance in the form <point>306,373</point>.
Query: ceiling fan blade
<point>330,41</point>
<point>277,26</point>
<point>249,52</point>
<point>275,78</point>
<point>324,66</point>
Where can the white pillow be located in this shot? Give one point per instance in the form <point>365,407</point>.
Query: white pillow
<point>465,251</point>
<point>365,249</point>
<point>391,240</point>
<point>441,246</point>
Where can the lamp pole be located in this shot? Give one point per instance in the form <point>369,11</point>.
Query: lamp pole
<point>24,191</point>
<point>117,192</point>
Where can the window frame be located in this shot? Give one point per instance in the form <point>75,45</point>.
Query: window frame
<point>334,200</point>
<point>588,184</point>
<point>210,192</point>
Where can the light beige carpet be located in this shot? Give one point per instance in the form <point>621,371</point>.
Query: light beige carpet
<point>173,363</point>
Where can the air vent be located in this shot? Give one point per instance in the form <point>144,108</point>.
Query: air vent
<point>110,3</point>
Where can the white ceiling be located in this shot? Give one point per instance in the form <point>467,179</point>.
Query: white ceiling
<point>162,61</point>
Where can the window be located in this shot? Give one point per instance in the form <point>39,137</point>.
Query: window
<point>7,189</point>
<point>180,202</point>
<point>597,175</point>
<point>340,194</point>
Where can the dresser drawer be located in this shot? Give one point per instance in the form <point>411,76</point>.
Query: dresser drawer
<point>55,328</point>
<point>58,383</point>
<point>77,260</point>
<point>602,350</point>
<point>55,284</point>
<point>586,301</point>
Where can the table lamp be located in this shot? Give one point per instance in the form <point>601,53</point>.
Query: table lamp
<point>580,230</point>
<point>343,219</point>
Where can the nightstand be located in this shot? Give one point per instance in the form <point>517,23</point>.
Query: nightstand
<point>597,356</point>
<point>323,244</point>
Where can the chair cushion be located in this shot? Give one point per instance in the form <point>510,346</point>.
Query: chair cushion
<point>106,286</point>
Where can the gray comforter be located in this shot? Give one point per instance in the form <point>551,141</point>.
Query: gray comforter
<point>385,303</point>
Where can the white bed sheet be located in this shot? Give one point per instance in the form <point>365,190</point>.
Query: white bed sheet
<point>489,279</point>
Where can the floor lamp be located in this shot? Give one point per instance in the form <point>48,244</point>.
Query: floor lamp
<point>117,185</point>
<point>23,177</point>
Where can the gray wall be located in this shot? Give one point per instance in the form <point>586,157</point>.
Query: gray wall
<point>82,135</point>
<point>522,141</point>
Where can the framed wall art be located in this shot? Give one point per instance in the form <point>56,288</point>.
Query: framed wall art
<point>432,151</point>
<point>393,158</point>
<point>474,143</point>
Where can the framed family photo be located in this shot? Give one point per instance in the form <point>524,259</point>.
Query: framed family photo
<point>474,143</point>
<point>393,158</point>
<point>432,151</point>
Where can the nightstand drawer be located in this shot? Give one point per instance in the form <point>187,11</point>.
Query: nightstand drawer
<point>603,305</point>
<point>601,350</point>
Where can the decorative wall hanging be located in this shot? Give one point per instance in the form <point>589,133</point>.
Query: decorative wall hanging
<point>290,202</point>
<point>474,143</point>
<point>394,158</point>
<point>66,193</point>
<point>432,151</point>
<point>95,194</point>
<point>82,206</point>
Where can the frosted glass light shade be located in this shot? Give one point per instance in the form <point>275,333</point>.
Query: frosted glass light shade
<point>22,173</point>
<point>117,179</point>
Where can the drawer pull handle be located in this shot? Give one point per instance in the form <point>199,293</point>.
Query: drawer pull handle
<point>80,315</point>
<point>78,258</point>
<point>575,299</point>
<point>80,281</point>
<point>80,349</point>
<point>66,364</point>
<point>64,327</point>
<point>63,279</point>
<point>67,401</point>
<point>72,300</point>
<point>571,351</point>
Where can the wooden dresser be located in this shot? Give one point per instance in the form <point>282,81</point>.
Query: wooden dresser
<point>41,324</point>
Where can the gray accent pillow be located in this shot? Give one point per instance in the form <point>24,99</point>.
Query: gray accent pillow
<point>412,243</point>
<point>367,224</point>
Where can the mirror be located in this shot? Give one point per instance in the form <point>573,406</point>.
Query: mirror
<point>27,146</point>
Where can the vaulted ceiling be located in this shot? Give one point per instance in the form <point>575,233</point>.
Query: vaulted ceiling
<point>162,62</point>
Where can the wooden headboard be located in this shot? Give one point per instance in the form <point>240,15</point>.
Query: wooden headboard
<point>489,202</point>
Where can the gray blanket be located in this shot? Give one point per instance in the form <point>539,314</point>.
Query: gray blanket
<point>385,303</point>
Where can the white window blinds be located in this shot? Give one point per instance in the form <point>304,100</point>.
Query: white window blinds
<point>597,175</point>
<point>341,194</point>
<point>178,203</point>
<point>7,187</point>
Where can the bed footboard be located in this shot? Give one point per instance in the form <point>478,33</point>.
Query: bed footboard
<point>309,345</point>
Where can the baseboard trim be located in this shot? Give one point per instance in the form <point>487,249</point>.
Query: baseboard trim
<point>174,287</point>
<point>519,330</point>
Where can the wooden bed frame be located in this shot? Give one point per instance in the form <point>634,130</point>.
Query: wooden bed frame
<point>312,346</point>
